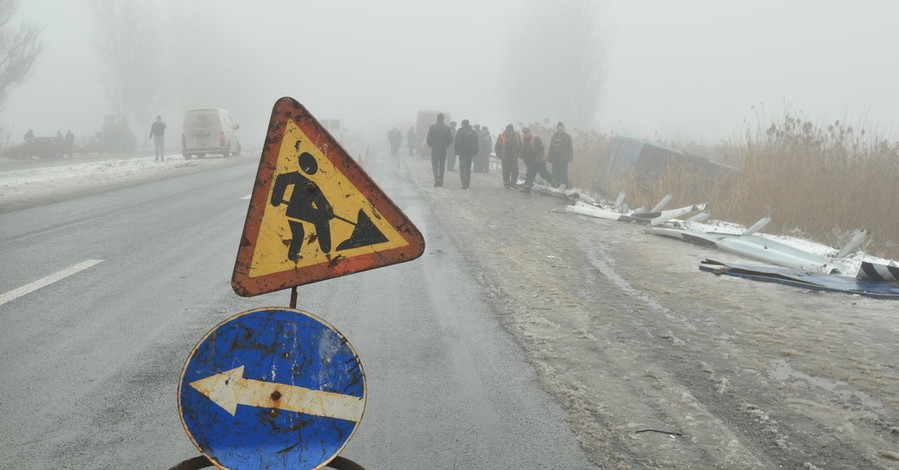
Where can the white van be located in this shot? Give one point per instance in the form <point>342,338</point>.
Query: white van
<point>209,131</point>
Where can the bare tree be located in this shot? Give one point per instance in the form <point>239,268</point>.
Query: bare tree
<point>132,54</point>
<point>19,48</point>
<point>556,67</point>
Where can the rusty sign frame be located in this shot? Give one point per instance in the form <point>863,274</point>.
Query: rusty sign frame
<point>285,111</point>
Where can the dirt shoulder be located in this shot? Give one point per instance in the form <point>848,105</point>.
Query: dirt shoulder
<point>662,366</point>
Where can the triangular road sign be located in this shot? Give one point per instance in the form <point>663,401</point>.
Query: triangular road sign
<point>314,213</point>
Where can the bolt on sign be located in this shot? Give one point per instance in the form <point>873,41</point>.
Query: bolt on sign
<point>272,388</point>
<point>314,213</point>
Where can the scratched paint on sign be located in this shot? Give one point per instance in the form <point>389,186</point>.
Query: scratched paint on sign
<point>323,239</point>
<point>314,213</point>
<point>272,388</point>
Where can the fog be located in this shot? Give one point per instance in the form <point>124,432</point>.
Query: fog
<point>673,70</point>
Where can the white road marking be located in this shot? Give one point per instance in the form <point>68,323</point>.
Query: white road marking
<point>247,196</point>
<point>29,288</point>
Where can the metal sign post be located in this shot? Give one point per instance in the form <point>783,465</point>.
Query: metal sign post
<point>279,388</point>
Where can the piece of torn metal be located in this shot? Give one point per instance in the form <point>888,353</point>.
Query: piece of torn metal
<point>651,218</point>
<point>813,281</point>
<point>563,193</point>
<point>758,248</point>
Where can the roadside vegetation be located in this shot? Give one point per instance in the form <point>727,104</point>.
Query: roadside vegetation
<point>816,181</point>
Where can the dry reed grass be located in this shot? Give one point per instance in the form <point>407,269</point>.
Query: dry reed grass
<point>821,182</point>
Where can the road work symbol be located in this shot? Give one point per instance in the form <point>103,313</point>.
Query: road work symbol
<point>314,213</point>
<point>272,388</point>
<point>308,204</point>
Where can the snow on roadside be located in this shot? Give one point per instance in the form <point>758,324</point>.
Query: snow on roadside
<point>19,187</point>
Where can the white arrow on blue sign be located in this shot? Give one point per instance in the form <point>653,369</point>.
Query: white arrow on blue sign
<point>272,388</point>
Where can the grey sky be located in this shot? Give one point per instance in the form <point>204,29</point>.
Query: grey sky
<point>689,69</point>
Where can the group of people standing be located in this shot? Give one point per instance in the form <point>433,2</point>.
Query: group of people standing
<point>510,146</point>
<point>470,144</point>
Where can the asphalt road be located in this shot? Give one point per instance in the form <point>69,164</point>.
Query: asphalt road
<point>91,361</point>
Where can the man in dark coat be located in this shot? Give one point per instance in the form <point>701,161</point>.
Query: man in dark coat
<point>466,146</point>
<point>439,139</point>
<point>396,138</point>
<point>560,154</point>
<point>157,133</point>
<point>508,149</point>
<point>534,159</point>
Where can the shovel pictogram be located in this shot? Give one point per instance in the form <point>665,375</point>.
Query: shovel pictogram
<point>365,233</point>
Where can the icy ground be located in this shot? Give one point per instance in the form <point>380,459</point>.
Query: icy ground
<point>661,365</point>
<point>31,185</point>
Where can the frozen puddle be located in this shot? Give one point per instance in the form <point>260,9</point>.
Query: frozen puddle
<point>783,372</point>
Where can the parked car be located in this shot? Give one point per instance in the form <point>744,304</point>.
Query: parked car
<point>42,147</point>
<point>209,131</point>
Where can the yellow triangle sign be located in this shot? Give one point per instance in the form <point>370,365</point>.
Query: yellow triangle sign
<point>314,213</point>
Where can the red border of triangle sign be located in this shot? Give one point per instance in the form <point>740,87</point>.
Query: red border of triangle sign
<point>314,213</point>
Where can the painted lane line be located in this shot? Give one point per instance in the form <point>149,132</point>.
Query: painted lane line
<point>29,288</point>
<point>247,196</point>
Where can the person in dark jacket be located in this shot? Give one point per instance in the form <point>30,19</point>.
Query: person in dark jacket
<point>508,149</point>
<point>560,154</point>
<point>466,147</point>
<point>439,139</point>
<point>157,133</point>
<point>395,137</point>
<point>534,159</point>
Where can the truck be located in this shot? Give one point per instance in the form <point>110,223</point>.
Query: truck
<point>115,136</point>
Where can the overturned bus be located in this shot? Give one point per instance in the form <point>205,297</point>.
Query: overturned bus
<point>647,160</point>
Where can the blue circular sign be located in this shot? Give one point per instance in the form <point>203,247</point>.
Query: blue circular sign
<point>272,388</point>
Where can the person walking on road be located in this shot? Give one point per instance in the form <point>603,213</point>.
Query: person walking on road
<point>560,154</point>
<point>508,149</point>
<point>157,133</point>
<point>466,146</point>
<point>534,159</point>
<point>439,139</point>
<point>396,138</point>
